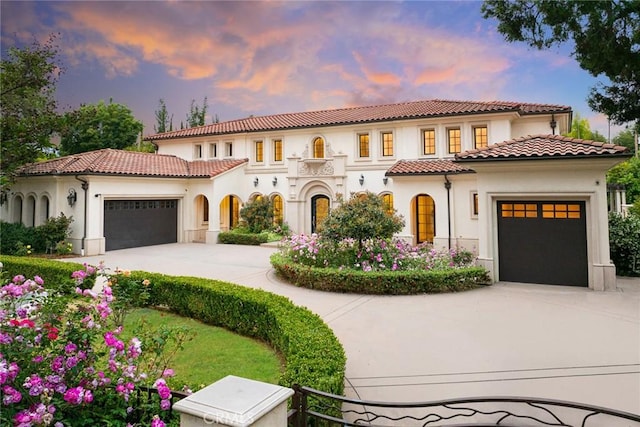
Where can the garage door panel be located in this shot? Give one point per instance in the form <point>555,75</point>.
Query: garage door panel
<point>135,223</point>
<point>543,242</point>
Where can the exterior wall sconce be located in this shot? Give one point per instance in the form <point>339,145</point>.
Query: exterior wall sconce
<point>553,124</point>
<point>361,180</point>
<point>72,197</point>
<point>385,180</point>
<point>255,181</point>
<point>275,181</point>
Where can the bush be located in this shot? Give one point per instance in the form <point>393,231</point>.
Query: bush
<point>313,355</point>
<point>624,244</point>
<point>57,275</point>
<point>238,238</point>
<point>16,236</point>
<point>382,282</point>
<point>258,215</point>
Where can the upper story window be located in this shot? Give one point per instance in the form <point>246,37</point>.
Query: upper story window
<point>429,141</point>
<point>213,150</point>
<point>318,148</point>
<point>454,140</point>
<point>197,151</point>
<point>277,150</point>
<point>387,143</point>
<point>259,147</point>
<point>363,145</point>
<point>480,138</point>
<point>228,149</point>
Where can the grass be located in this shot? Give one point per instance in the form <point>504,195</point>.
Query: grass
<point>214,352</point>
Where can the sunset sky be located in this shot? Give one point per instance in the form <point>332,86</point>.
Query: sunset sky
<point>272,57</point>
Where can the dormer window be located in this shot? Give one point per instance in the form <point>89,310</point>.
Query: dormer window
<point>318,148</point>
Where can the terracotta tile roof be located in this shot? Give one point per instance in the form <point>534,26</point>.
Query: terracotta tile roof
<point>118,162</point>
<point>426,167</point>
<point>542,147</point>
<point>367,114</point>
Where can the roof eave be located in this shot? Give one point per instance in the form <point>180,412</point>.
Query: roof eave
<point>515,158</point>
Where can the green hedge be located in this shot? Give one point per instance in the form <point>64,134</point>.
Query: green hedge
<point>314,356</point>
<point>56,274</point>
<point>379,282</point>
<point>624,244</point>
<point>235,238</point>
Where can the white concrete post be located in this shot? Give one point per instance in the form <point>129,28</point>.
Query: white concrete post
<point>235,402</point>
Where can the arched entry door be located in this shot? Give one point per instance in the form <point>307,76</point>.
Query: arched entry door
<point>424,218</point>
<point>229,212</point>
<point>319,211</point>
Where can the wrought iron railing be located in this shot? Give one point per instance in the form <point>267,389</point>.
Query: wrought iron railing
<point>316,408</point>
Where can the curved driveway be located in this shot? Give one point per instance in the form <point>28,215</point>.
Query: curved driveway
<point>508,339</point>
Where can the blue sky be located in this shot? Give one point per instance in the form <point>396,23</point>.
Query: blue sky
<point>272,57</point>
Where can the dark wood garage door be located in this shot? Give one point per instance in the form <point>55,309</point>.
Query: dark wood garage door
<point>543,242</point>
<point>134,223</point>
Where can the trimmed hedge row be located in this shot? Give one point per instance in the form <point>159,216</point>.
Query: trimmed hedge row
<point>379,282</point>
<point>56,274</point>
<point>235,238</point>
<point>314,356</point>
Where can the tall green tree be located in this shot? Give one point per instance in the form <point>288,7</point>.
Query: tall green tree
<point>97,126</point>
<point>605,37</point>
<point>197,114</point>
<point>28,116</point>
<point>364,216</point>
<point>626,138</point>
<point>581,129</point>
<point>164,123</point>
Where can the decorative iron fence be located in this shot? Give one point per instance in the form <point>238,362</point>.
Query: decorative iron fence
<point>316,408</point>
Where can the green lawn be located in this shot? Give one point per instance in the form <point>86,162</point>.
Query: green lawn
<point>214,352</point>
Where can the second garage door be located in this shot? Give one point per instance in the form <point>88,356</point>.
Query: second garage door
<point>543,242</point>
<point>134,223</point>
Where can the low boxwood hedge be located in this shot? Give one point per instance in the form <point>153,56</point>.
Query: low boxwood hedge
<point>379,282</point>
<point>236,238</point>
<point>313,355</point>
<point>56,274</point>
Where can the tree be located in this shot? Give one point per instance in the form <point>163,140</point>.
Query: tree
<point>93,127</point>
<point>581,129</point>
<point>258,215</point>
<point>28,116</point>
<point>605,35</point>
<point>626,138</point>
<point>628,174</point>
<point>164,123</point>
<point>197,114</point>
<point>364,216</point>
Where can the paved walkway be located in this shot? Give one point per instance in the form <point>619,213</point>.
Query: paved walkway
<point>508,339</point>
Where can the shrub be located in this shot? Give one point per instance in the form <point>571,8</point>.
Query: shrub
<point>382,282</point>
<point>313,355</point>
<point>16,236</point>
<point>258,215</point>
<point>54,230</point>
<point>364,216</point>
<point>238,238</point>
<point>624,243</point>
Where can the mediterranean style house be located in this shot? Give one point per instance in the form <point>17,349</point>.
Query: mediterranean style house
<point>493,177</point>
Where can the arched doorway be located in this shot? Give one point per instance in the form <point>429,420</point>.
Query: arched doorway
<point>423,213</point>
<point>319,211</point>
<point>229,212</point>
<point>278,208</point>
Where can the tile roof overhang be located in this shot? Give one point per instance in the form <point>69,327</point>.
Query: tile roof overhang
<point>543,147</point>
<point>366,114</point>
<point>427,167</point>
<point>129,163</point>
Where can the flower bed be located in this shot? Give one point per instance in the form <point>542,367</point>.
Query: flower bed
<point>379,266</point>
<point>313,355</point>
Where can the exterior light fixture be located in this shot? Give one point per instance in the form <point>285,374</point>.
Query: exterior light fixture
<point>385,180</point>
<point>72,197</point>
<point>553,124</point>
<point>275,181</point>
<point>361,180</point>
<point>255,181</point>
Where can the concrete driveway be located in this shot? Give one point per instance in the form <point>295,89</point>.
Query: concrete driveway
<point>508,339</point>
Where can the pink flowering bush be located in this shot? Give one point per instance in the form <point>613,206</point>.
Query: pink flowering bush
<point>63,361</point>
<point>373,255</point>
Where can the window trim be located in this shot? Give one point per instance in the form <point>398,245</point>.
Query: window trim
<point>274,151</point>
<point>258,152</point>
<point>475,204</point>
<point>213,150</point>
<point>313,148</point>
<point>474,135</point>
<point>228,149</point>
<point>448,130</point>
<point>435,141</point>
<point>393,151</point>
<point>197,151</point>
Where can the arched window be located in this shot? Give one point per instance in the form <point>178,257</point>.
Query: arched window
<point>16,215</point>
<point>423,212</point>
<point>43,209</point>
<point>318,148</point>
<point>31,212</point>
<point>387,199</point>
<point>278,208</point>
<point>229,212</point>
